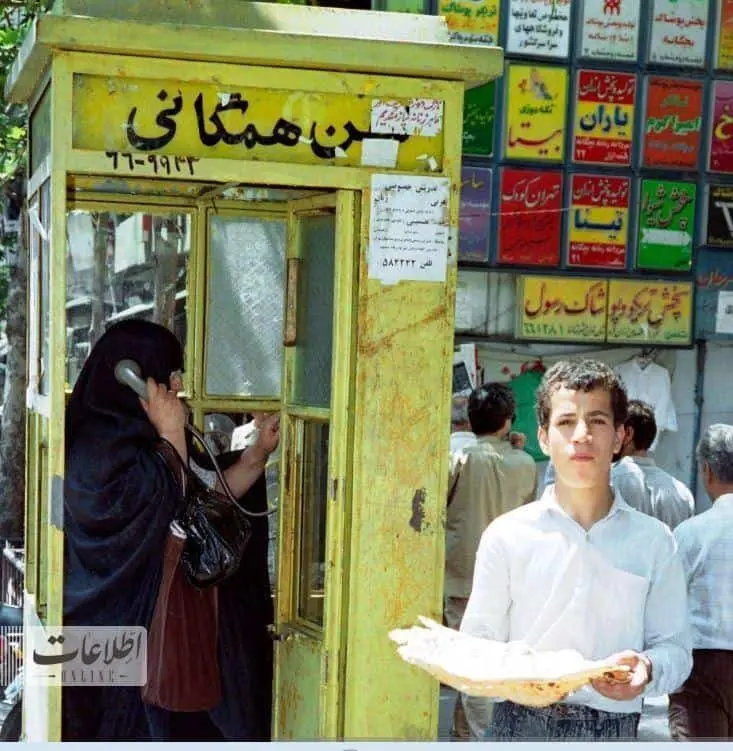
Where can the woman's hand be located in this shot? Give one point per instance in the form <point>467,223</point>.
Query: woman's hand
<point>168,415</point>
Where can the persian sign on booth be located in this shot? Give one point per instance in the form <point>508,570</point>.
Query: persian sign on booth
<point>666,224</point>
<point>471,21</point>
<point>530,217</point>
<point>598,224</point>
<point>673,125</point>
<point>721,137</point>
<point>609,30</point>
<point>604,117</point>
<point>535,112</point>
<point>474,216</point>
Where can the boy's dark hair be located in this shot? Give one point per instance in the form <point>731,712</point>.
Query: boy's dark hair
<point>489,407</point>
<point>581,375</point>
<point>641,420</point>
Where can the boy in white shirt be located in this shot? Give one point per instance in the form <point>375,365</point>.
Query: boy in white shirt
<point>580,569</point>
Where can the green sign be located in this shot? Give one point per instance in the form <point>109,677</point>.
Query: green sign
<point>479,112</point>
<point>666,225</point>
<point>525,388</point>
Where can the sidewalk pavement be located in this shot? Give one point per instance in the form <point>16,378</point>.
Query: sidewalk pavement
<point>653,725</point>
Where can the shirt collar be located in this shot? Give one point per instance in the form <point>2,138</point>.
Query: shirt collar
<point>724,501</point>
<point>490,439</point>
<point>644,461</point>
<point>550,503</point>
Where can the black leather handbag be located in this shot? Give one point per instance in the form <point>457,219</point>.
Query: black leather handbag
<point>216,526</point>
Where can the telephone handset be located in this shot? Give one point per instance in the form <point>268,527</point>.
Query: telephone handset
<point>128,373</point>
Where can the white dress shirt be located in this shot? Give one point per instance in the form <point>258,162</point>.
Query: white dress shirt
<point>706,548</point>
<point>460,439</point>
<point>649,489</point>
<point>542,579</point>
<point>653,386</point>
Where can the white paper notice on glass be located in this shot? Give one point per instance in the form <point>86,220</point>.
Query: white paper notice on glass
<point>679,30</point>
<point>724,316</point>
<point>607,35</point>
<point>539,27</point>
<point>408,228</point>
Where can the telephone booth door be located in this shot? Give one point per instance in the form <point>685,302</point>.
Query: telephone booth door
<point>318,335</point>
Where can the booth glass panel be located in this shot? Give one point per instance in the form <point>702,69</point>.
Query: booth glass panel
<point>312,374</point>
<point>123,265</point>
<point>45,290</point>
<point>312,538</point>
<point>40,131</point>
<point>246,292</point>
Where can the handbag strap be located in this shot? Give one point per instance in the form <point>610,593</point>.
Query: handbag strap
<point>224,484</point>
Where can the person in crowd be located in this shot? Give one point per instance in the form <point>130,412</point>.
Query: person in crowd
<point>703,707</point>
<point>120,498</point>
<point>461,433</point>
<point>640,482</point>
<point>488,478</point>
<point>580,569</point>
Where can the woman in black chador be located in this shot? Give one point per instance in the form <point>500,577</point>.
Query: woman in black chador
<point>119,500</point>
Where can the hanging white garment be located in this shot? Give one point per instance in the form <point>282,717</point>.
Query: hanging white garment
<point>652,385</point>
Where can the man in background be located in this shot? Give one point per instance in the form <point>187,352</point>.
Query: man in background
<point>487,479</point>
<point>703,707</point>
<point>461,433</point>
<point>641,483</point>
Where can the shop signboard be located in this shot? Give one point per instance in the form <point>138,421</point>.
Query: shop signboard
<point>721,126</point>
<point>724,41</point>
<point>475,213</point>
<point>714,295</point>
<point>666,225</point>
<point>538,28</point>
<point>609,30</point>
<point>471,21</point>
<point>598,225</point>
<point>536,109</point>
<point>650,312</point>
<point>561,308</point>
<point>530,217</point>
<point>678,32</point>
<point>603,125</point>
<point>719,225</point>
<point>479,116</point>
<point>673,123</point>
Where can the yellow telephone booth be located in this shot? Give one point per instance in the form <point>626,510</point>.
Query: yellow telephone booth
<point>279,185</point>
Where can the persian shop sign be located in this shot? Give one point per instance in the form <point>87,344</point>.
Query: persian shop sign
<point>558,308</point>
<point>658,312</point>
<point>146,116</point>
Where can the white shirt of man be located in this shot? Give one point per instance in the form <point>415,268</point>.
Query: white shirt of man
<point>460,439</point>
<point>651,490</point>
<point>706,548</point>
<point>542,579</point>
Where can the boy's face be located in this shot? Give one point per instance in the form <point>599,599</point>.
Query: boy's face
<point>581,438</point>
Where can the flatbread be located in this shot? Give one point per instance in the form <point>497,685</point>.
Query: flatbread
<point>482,667</point>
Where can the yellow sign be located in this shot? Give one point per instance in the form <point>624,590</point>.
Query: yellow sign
<point>562,308</point>
<point>471,21</point>
<point>536,112</point>
<point>654,311</point>
<point>139,122</point>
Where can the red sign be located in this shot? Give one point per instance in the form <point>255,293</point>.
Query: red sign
<point>530,217</point>
<point>721,138</point>
<point>598,226</point>
<point>604,117</point>
<point>673,123</point>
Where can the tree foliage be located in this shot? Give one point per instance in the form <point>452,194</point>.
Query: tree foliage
<point>16,17</point>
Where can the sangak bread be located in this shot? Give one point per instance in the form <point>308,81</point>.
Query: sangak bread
<point>481,667</point>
